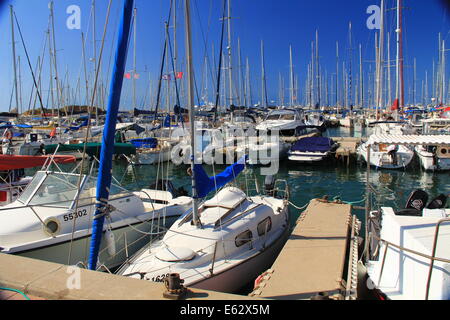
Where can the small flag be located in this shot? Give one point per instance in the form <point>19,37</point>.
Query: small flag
<point>166,77</point>
<point>179,75</point>
<point>395,106</point>
<point>137,76</point>
<point>128,75</point>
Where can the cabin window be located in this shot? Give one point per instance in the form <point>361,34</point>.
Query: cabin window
<point>243,238</point>
<point>264,226</point>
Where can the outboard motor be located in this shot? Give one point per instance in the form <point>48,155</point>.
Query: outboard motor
<point>269,186</point>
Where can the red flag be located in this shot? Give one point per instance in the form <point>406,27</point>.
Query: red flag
<point>179,75</point>
<point>128,75</point>
<point>395,106</point>
<point>137,76</point>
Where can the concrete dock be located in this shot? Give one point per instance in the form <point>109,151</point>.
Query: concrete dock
<point>317,258</point>
<point>346,152</point>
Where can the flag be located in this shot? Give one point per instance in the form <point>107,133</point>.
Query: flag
<point>137,76</point>
<point>128,75</point>
<point>179,75</point>
<point>395,105</point>
<point>166,77</point>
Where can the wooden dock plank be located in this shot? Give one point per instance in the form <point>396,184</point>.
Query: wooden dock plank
<point>313,259</point>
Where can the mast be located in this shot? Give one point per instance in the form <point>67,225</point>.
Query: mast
<point>134,57</point>
<point>337,74</point>
<point>105,169</point>
<point>249,84</point>
<point>400,84</point>
<point>389,69</point>
<point>317,68</point>
<point>379,80</point>
<point>361,80</point>
<point>190,91</point>
<point>55,64</point>
<point>230,61</point>
<point>291,68</point>
<point>263,78</point>
<point>14,58</point>
<point>240,72</point>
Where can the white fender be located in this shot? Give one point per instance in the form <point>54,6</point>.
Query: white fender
<point>110,242</point>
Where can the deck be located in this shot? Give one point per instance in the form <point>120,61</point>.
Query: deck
<point>315,256</point>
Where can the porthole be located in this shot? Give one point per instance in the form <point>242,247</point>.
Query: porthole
<point>51,226</point>
<point>264,226</point>
<point>444,151</point>
<point>243,238</point>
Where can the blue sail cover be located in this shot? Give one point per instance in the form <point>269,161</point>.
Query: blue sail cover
<point>313,144</point>
<point>148,143</point>
<point>205,184</point>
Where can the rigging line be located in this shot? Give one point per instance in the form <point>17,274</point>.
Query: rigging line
<point>29,64</point>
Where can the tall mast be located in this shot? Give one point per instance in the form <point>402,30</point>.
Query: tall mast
<point>230,61</point>
<point>291,68</point>
<point>317,68</point>
<point>190,91</point>
<point>58,97</point>
<point>379,80</point>
<point>134,56</point>
<point>400,84</point>
<point>337,74</point>
<point>14,58</point>
<point>350,75</point>
<point>389,69</point>
<point>263,78</point>
<point>240,73</point>
<point>249,84</point>
<point>414,84</point>
<point>443,95</point>
<point>361,80</point>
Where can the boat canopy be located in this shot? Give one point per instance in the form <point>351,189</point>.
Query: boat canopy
<point>313,144</point>
<point>13,162</point>
<point>92,149</point>
<point>409,139</point>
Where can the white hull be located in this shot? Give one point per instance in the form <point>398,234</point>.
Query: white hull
<point>431,162</point>
<point>308,157</point>
<point>149,158</point>
<point>382,160</point>
<point>127,242</point>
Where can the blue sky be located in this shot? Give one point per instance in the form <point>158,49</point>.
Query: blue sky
<point>279,23</point>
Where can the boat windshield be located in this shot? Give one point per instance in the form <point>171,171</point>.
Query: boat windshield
<point>278,116</point>
<point>57,190</point>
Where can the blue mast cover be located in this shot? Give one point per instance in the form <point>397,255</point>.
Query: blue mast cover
<point>105,169</point>
<point>205,184</point>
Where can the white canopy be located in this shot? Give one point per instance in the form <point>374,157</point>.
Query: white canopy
<point>409,139</point>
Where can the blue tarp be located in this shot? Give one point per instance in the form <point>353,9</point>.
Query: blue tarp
<point>313,144</point>
<point>205,184</point>
<point>149,143</point>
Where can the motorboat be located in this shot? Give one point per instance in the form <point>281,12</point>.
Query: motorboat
<point>52,219</point>
<point>312,149</point>
<point>409,255</point>
<point>12,173</point>
<point>150,151</point>
<point>434,157</point>
<point>287,122</point>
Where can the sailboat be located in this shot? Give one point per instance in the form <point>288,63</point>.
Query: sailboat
<point>223,243</point>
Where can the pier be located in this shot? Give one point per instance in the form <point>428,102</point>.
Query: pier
<point>346,153</point>
<point>318,260</point>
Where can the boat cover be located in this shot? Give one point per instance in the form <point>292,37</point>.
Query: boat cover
<point>92,149</point>
<point>313,144</point>
<point>13,162</point>
<point>148,143</point>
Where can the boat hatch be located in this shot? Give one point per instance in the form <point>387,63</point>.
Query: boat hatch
<point>173,254</point>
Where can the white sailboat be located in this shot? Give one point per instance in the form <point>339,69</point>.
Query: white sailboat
<point>223,243</point>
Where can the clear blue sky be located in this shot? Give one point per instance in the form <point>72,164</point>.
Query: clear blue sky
<point>279,23</point>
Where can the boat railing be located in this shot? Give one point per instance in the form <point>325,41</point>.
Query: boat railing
<point>432,258</point>
<point>283,191</point>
